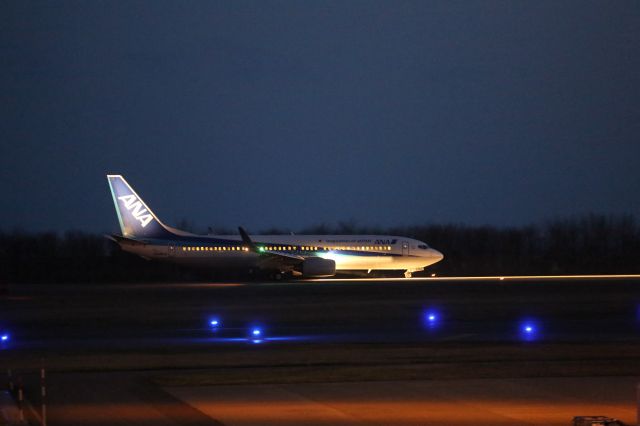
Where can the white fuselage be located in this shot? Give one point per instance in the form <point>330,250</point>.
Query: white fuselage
<point>350,252</point>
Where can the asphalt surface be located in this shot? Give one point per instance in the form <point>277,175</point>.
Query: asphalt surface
<point>394,309</point>
<point>137,316</point>
<point>117,348</point>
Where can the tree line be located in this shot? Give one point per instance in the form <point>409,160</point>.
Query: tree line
<point>593,244</point>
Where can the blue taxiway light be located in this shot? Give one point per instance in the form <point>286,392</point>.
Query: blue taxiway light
<point>215,323</point>
<point>528,328</point>
<point>4,337</point>
<point>256,335</point>
<point>529,331</point>
<point>431,319</point>
<point>431,315</point>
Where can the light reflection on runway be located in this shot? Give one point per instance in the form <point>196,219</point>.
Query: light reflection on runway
<point>487,278</point>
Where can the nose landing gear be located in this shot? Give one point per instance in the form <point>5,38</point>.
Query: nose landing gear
<point>409,272</point>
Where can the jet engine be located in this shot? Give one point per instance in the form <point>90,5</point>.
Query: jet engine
<point>317,267</point>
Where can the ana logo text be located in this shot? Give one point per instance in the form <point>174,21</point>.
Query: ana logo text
<point>386,242</point>
<point>134,205</point>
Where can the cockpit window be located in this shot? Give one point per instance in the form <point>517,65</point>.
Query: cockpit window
<point>423,246</point>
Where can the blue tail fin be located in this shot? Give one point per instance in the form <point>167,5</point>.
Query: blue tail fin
<point>136,219</point>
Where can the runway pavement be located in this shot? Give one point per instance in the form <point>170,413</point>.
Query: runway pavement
<point>137,316</point>
<point>116,348</point>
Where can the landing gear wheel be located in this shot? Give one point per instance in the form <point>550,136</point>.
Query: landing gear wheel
<point>408,274</point>
<point>280,276</point>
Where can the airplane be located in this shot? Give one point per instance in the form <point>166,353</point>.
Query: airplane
<point>309,256</point>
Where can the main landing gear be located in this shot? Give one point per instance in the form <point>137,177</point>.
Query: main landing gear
<point>270,275</point>
<point>281,275</point>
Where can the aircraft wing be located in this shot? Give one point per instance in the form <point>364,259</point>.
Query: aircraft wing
<point>276,260</point>
<point>271,259</point>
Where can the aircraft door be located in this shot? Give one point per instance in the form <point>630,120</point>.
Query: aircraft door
<point>405,248</point>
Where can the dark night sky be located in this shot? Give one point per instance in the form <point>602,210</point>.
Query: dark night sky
<point>296,113</point>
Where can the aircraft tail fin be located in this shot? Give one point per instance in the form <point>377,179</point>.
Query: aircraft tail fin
<point>135,217</point>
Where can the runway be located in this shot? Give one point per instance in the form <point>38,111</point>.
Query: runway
<point>602,309</point>
<point>156,338</point>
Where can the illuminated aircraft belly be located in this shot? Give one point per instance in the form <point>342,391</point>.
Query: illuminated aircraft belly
<point>352,262</point>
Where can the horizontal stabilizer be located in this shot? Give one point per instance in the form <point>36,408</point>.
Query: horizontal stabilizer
<point>120,239</point>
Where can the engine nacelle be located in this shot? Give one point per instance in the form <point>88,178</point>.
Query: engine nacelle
<point>317,267</point>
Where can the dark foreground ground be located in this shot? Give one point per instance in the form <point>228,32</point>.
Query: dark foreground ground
<point>147,354</point>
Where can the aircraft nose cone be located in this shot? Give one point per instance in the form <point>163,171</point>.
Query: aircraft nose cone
<point>436,255</point>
